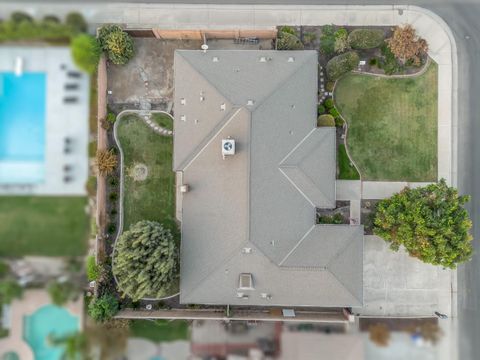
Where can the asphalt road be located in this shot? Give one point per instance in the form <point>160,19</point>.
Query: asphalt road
<point>463,17</point>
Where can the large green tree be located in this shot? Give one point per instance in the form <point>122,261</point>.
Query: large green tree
<point>86,52</point>
<point>430,222</point>
<point>9,291</point>
<point>146,260</point>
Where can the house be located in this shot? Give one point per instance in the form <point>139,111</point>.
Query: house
<point>252,168</point>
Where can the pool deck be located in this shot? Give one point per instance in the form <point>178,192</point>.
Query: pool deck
<point>32,301</point>
<point>63,120</point>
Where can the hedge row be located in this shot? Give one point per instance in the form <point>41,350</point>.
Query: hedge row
<point>366,38</point>
<point>342,64</point>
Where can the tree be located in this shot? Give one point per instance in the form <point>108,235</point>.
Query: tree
<point>103,308</point>
<point>430,222</point>
<point>9,290</point>
<point>288,41</point>
<point>341,41</point>
<point>379,334</point>
<point>76,22</point>
<point>106,161</point>
<point>406,45</point>
<point>61,292</point>
<point>116,43</point>
<point>86,52</point>
<point>146,260</point>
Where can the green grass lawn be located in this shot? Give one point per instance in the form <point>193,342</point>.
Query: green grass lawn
<point>345,170</point>
<point>160,330</point>
<point>163,120</point>
<point>48,226</point>
<point>152,198</point>
<point>392,125</point>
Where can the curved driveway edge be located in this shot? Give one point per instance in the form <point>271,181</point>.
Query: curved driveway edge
<point>120,202</point>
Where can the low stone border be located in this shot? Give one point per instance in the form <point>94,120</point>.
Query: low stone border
<point>140,114</point>
<point>398,76</point>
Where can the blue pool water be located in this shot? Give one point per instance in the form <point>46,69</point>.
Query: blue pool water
<point>22,128</point>
<point>47,320</point>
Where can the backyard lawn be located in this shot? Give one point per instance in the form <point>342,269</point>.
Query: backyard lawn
<point>160,330</point>
<point>392,132</point>
<point>151,197</point>
<point>48,226</point>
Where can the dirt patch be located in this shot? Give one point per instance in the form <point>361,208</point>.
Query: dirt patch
<point>139,172</point>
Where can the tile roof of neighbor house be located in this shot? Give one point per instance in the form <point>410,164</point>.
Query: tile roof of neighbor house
<point>254,212</point>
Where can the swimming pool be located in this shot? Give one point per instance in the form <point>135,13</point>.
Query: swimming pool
<point>49,319</point>
<point>22,128</point>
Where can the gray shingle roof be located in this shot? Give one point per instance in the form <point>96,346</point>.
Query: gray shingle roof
<point>262,198</point>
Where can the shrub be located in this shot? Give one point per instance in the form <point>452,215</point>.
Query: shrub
<point>103,308</point>
<point>113,212</point>
<point>111,118</point>
<point>336,218</point>
<point>116,43</point>
<point>51,18</point>
<point>406,45</point>
<point>329,103</point>
<point>366,38</point>
<point>11,30</point>
<point>389,63</point>
<point>146,260</point>
<point>86,52</point>
<point>325,120</point>
<point>288,30</point>
<point>373,62</point>
<point>111,228</point>
<point>327,40</point>
<point>4,269</point>
<point>341,40</point>
<point>342,64</point>
<point>19,17</point>
<point>92,268</point>
<point>9,290</point>
<point>113,181</point>
<point>287,41</point>
<point>320,109</point>
<point>329,86</point>
<point>339,122</point>
<point>61,292</point>
<point>106,161</point>
<point>113,196</point>
<point>334,112</point>
<point>430,222</point>
<point>76,22</point>
<point>309,38</point>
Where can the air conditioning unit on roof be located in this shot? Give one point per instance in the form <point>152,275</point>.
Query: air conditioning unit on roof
<point>228,147</point>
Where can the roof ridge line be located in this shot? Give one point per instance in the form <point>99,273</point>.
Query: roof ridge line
<point>296,245</point>
<point>296,186</point>
<point>341,250</point>
<point>280,164</point>
<point>199,149</point>
<point>343,285</point>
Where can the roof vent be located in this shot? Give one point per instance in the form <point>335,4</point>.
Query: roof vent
<point>263,59</point>
<point>196,121</point>
<point>184,188</point>
<point>223,107</point>
<point>228,147</point>
<point>291,59</point>
<point>247,250</point>
<point>245,282</point>
<point>236,69</point>
<point>215,59</point>
<point>183,118</point>
<point>183,101</point>
<point>265,296</point>
<point>250,102</point>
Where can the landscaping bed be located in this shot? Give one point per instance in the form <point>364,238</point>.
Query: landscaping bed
<point>43,226</point>
<point>392,125</point>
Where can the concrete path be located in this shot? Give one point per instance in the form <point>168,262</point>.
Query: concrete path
<point>348,189</point>
<point>396,284</point>
<point>385,189</point>
<point>147,118</point>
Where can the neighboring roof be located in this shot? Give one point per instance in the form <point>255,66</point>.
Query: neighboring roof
<point>254,212</point>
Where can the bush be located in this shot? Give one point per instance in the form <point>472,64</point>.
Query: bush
<point>61,292</point>
<point>373,62</point>
<point>431,222</point>
<point>327,40</point>
<point>11,30</point>
<point>325,120</point>
<point>103,308</point>
<point>86,52</point>
<point>329,86</point>
<point>19,17</point>
<point>111,228</point>
<point>113,181</point>
<point>366,38</point>
<point>106,161</point>
<point>116,43</point>
<point>9,290</point>
<point>320,109</point>
<point>111,118</point>
<point>329,103</point>
<point>341,40</point>
<point>51,18</point>
<point>287,41</point>
<point>309,38</point>
<point>342,64</point>
<point>288,30</point>
<point>76,22</point>
<point>389,62</point>
<point>334,112</point>
<point>92,268</point>
<point>336,219</point>
<point>339,122</point>
<point>113,196</point>
<point>146,260</point>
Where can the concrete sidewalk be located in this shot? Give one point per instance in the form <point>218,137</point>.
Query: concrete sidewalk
<point>385,189</point>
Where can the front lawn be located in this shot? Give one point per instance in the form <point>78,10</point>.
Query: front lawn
<point>160,330</point>
<point>47,226</point>
<point>392,122</point>
<point>151,197</point>
<point>346,170</point>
